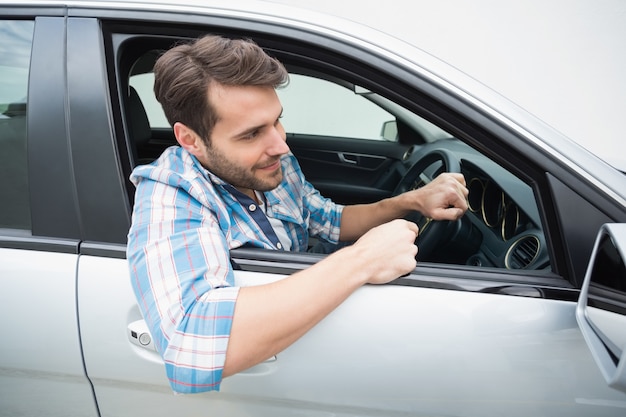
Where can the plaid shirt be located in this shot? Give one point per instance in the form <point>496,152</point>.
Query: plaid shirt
<point>185,221</point>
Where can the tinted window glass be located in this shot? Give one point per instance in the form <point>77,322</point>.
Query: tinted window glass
<point>15,47</point>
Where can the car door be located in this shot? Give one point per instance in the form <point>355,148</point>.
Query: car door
<point>41,366</point>
<point>430,352</point>
<point>450,338</point>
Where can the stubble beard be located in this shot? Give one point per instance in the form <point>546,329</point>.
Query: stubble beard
<point>240,177</point>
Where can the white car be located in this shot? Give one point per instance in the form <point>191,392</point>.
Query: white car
<point>517,309</point>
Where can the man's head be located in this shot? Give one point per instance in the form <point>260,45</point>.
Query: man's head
<point>185,74</point>
<point>219,95</point>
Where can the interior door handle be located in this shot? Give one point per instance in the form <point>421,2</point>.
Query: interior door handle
<point>342,158</point>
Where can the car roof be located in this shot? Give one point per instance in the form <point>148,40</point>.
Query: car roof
<point>560,61</point>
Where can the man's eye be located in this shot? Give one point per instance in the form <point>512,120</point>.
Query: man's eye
<point>251,135</point>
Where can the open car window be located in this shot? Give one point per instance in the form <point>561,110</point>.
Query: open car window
<point>356,145</point>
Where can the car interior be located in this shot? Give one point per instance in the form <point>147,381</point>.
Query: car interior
<point>356,145</point>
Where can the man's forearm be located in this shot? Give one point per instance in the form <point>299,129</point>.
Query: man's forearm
<point>357,219</point>
<point>444,198</point>
<point>273,316</point>
<point>269,318</point>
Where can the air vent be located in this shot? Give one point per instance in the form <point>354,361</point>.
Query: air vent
<point>522,253</point>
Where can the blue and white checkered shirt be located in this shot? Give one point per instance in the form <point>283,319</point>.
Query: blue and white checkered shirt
<point>185,221</point>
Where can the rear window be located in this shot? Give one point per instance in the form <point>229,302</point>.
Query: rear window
<point>16,39</point>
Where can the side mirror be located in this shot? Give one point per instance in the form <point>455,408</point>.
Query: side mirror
<point>389,131</point>
<point>601,309</point>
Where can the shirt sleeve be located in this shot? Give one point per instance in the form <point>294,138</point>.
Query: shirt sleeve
<point>182,277</point>
<point>322,214</point>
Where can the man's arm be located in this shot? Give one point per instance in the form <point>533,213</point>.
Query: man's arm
<point>269,318</point>
<point>445,198</point>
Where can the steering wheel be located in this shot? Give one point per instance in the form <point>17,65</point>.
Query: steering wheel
<point>432,233</point>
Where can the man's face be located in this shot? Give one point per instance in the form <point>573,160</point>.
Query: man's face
<point>248,139</point>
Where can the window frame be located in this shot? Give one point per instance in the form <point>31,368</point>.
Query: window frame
<point>316,61</point>
<point>446,108</point>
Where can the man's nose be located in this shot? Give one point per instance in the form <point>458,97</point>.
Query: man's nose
<point>278,142</point>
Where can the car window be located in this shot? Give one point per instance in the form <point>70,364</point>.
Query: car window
<point>357,146</point>
<point>15,48</point>
<point>313,106</point>
<point>144,84</point>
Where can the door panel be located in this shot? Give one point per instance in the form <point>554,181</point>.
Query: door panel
<point>388,350</point>
<point>41,369</point>
<point>348,170</point>
<point>334,129</point>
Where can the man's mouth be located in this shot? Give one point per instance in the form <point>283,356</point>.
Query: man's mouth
<point>272,166</point>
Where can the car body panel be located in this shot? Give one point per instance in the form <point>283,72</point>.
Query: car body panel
<point>527,352</point>
<point>41,366</point>
<point>445,340</point>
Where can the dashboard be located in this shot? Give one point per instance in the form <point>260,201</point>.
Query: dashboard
<point>502,227</point>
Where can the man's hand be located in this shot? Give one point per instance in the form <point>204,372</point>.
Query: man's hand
<point>445,198</point>
<point>388,251</point>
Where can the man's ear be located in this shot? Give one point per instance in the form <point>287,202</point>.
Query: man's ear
<point>187,138</point>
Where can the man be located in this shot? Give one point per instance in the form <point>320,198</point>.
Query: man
<point>233,182</point>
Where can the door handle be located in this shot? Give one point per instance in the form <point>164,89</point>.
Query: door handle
<point>342,158</point>
<point>139,335</point>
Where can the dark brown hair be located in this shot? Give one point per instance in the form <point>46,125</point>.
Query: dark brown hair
<point>183,74</point>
